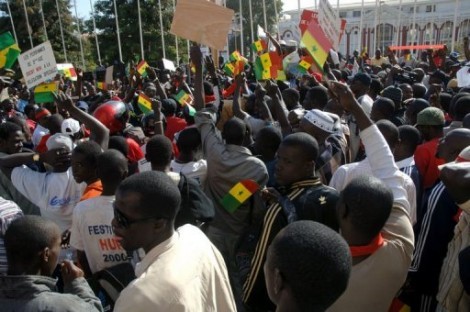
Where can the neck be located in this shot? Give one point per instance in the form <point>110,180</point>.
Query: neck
<point>109,189</point>
<point>161,168</point>
<point>24,269</point>
<point>159,240</point>
<point>185,158</point>
<point>91,180</point>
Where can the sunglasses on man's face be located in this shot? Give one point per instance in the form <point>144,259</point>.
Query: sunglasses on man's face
<point>124,221</point>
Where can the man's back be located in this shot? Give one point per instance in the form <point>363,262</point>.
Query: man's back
<point>184,273</point>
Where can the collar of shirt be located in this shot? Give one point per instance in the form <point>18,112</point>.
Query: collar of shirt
<point>153,254</point>
<point>407,162</point>
<point>238,148</point>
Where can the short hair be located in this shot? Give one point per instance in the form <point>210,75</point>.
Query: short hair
<point>188,140</point>
<point>27,236</point>
<point>269,138</point>
<point>119,143</point>
<point>315,262</point>
<point>445,100</point>
<point>159,150</point>
<point>7,128</point>
<point>410,137</point>
<point>368,203</point>
<point>54,123</point>
<point>292,93</point>
<point>466,121</point>
<point>159,195</point>
<point>305,142</point>
<point>318,95</point>
<point>234,131</point>
<point>461,108</point>
<point>111,165</point>
<point>386,106</point>
<point>389,131</point>
<point>90,150</point>
<point>419,90</point>
<point>376,86</point>
<point>29,108</point>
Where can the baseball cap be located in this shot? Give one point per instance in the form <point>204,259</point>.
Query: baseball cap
<point>82,105</point>
<point>430,116</point>
<point>59,140</point>
<point>70,126</point>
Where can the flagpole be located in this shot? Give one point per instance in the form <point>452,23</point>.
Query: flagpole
<point>12,23</point>
<point>375,25</point>
<point>117,31</point>
<point>61,30</point>
<point>413,30</point>
<point>399,23</point>
<point>361,24</point>
<point>140,31</point>
<point>189,63</point>
<point>43,20</point>
<point>176,41</point>
<point>94,29</point>
<point>264,16</point>
<point>241,27</point>
<point>277,17</point>
<point>79,34</point>
<point>161,28</point>
<point>251,21</point>
<point>27,24</point>
<point>457,4</point>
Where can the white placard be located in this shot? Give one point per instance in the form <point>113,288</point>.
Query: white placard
<point>169,65</point>
<point>38,65</point>
<point>329,22</point>
<point>463,77</point>
<point>109,75</point>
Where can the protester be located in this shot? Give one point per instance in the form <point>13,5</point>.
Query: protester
<point>181,270</point>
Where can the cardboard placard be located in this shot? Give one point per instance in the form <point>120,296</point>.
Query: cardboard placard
<point>38,65</point>
<point>169,65</point>
<point>109,75</point>
<point>203,22</point>
<point>329,22</point>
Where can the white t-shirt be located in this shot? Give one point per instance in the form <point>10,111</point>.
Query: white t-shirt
<point>92,233</point>
<point>55,193</point>
<point>193,169</point>
<point>38,133</point>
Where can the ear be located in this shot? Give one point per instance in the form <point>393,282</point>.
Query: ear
<point>160,224</point>
<point>45,254</point>
<point>279,283</point>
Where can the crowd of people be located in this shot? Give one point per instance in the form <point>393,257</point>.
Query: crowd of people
<point>359,189</point>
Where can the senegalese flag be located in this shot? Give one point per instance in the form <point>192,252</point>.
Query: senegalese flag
<point>229,69</point>
<point>270,73</point>
<point>142,68</point>
<point>9,50</point>
<point>183,98</point>
<point>316,43</point>
<point>68,71</point>
<point>304,66</point>
<point>258,68</point>
<point>43,93</point>
<point>259,45</point>
<point>281,75</point>
<point>191,110</point>
<point>266,60</point>
<point>236,56</point>
<point>399,306</point>
<point>101,85</point>
<point>144,103</point>
<point>239,194</point>
<point>276,59</point>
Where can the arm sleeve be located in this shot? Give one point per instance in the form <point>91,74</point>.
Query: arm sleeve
<point>88,301</point>
<point>29,183</point>
<point>76,240</point>
<point>212,143</point>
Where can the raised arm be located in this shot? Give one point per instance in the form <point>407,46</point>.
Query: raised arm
<point>237,110</point>
<point>99,131</point>
<point>196,59</point>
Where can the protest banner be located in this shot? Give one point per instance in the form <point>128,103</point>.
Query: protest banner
<point>109,75</point>
<point>203,22</point>
<point>38,65</point>
<point>169,65</point>
<point>329,22</point>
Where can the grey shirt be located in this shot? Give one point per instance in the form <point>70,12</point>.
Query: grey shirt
<point>227,165</point>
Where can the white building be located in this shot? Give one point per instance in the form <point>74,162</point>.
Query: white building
<point>388,22</point>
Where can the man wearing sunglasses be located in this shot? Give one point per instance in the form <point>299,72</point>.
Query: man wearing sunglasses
<point>182,270</point>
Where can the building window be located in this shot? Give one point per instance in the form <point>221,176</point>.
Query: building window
<point>431,8</point>
<point>356,13</point>
<point>343,14</point>
<point>385,35</point>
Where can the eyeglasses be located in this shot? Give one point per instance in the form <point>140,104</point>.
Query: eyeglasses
<point>124,222</point>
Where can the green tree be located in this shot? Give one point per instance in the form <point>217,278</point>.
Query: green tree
<point>71,35</point>
<point>129,30</point>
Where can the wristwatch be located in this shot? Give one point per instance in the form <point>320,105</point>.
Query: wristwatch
<point>36,157</point>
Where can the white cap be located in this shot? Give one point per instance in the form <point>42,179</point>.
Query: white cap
<point>59,140</point>
<point>70,126</point>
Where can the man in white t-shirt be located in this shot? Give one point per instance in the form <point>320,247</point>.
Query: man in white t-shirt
<point>92,234</point>
<point>55,193</point>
